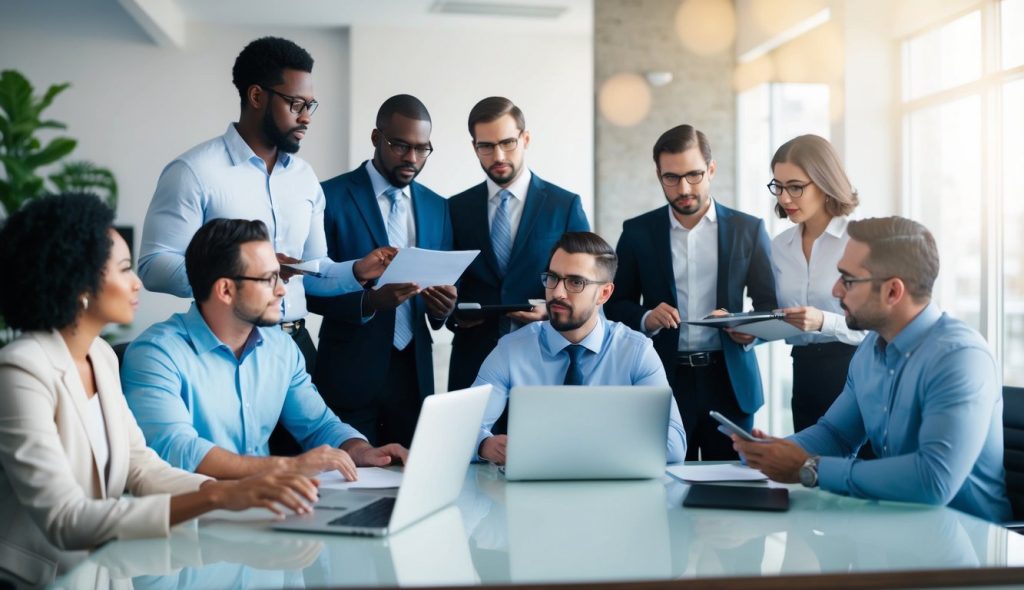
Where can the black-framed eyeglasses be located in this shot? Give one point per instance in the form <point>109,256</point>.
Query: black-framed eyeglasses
<point>851,281</point>
<point>486,148</point>
<point>296,104</point>
<point>695,177</point>
<point>795,190</point>
<point>271,281</point>
<point>400,148</point>
<point>573,283</point>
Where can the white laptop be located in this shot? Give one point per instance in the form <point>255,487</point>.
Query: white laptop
<point>584,432</point>
<point>441,449</point>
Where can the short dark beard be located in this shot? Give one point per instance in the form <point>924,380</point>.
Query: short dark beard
<point>502,180</point>
<point>256,320</point>
<point>281,141</point>
<point>569,324</point>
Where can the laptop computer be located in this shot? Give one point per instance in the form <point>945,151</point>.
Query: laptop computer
<point>441,449</point>
<point>584,432</point>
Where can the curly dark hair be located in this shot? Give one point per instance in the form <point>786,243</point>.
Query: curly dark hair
<point>54,250</point>
<point>263,62</point>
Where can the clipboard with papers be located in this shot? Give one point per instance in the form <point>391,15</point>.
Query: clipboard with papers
<point>766,325</point>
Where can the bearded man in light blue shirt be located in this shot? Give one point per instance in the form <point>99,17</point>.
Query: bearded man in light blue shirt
<point>576,345</point>
<point>923,389</point>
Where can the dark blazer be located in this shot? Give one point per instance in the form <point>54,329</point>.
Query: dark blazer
<point>353,357</point>
<point>645,278</point>
<point>549,212</point>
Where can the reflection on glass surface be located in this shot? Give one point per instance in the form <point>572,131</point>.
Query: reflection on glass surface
<point>580,531</point>
<point>1013,237</point>
<point>943,58</point>
<point>1011,15</point>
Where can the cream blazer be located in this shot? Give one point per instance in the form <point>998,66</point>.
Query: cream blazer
<point>53,497</point>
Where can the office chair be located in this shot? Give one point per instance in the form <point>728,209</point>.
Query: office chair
<point>1013,453</point>
<point>119,349</point>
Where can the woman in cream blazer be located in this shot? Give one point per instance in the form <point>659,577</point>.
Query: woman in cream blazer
<point>70,449</point>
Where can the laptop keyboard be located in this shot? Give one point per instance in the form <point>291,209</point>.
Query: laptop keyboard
<point>376,515</point>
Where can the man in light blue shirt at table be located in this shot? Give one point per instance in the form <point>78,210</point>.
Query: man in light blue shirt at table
<point>576,345</point>
<point>207,386</point>
<point>923,388</point>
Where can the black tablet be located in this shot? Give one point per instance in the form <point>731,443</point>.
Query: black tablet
<point>476,310</point>
<point>737,497</point>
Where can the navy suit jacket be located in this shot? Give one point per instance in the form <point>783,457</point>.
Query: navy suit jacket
<point>353,357</point>
<point>645,278</point>
<point>548,213</point>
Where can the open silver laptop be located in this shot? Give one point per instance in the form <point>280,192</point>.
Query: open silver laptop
<point>582,432</point>
<point>441,449</point>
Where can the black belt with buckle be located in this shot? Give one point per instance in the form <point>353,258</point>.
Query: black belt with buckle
<point>699,359</point>
<point>293,328</point>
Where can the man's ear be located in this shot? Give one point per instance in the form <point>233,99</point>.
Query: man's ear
<point>605,292</point>
<point>894,290</point>
<point>255,97</point>
<point>223,291</point>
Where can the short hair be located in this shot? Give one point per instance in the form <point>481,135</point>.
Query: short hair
<point>263,62</point>
<point>402,104</point>
<point>585,242</point>
<point>215,252</point>
<point>899,247</point>
<point>493,108</point>
<point>679,139</point>
<point>816,156</point>
<point>53,250</point>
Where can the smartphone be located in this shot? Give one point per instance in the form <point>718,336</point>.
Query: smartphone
<point>729,427</point>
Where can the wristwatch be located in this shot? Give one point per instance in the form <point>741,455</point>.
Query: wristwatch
<point>809,471</point>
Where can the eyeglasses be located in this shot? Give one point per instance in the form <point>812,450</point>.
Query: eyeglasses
<point>795,190</point>
<point>296,104</point>
<point>573,283</point>
<point>850,281</point>
<point>271,281</point>
<point>485,148</point>
<point>695,177</point>
<point>400,148</point>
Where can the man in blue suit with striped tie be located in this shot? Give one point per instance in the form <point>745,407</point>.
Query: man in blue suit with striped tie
<point>514,218</point>
<point>374,363</point>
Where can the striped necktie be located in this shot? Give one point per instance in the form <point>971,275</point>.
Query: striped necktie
<point>501,232</point>
<point>398,236</point>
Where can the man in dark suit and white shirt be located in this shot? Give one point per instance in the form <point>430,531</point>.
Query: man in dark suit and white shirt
<point>514,218</point>
<point>679,263</point>
<point>375,359</point>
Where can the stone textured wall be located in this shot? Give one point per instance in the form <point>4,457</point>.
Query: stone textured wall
<point>638,36</point>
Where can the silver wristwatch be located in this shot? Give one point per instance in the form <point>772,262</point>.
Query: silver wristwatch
<point>809,471</point>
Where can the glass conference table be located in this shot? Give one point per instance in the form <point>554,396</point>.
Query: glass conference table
<point>575,532</point>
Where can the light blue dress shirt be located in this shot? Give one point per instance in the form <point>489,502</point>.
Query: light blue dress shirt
<point>189,393</point>
<point>931,404</point>
<point>224,178</point>
<point>535,355</point>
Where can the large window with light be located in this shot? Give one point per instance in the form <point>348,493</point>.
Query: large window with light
<point>962,110</point>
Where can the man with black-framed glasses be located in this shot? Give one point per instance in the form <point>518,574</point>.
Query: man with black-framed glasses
<point>514,218</point>
<point>375,362</point>
<point>207,386</point>
<point>686,260</point>
<point>575,345</point>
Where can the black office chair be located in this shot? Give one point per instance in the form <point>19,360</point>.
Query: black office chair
<point>119,349</point>
<point>1013,452</point>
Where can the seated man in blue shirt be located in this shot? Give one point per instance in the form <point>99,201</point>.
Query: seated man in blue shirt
<point>923,388</point>
<point>576,345</point>
<point>207,386</point>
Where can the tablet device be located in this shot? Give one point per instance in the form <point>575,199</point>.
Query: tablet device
<point>735,320</point>
<point>477,310</point>
<point>737,497</point>
<point>729,427</point>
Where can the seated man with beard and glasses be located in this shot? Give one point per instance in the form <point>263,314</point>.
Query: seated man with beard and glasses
<point>577,283</point>
<point>207,386</point>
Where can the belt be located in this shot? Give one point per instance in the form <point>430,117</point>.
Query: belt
<point>699,359</point>
<point>292,328</point>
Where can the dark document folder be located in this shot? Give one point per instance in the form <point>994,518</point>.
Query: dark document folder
<point>737,497</point>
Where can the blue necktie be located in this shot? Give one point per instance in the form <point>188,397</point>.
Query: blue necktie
<point>398,236</point>
<point>501,232</point>
<point>574,374</point>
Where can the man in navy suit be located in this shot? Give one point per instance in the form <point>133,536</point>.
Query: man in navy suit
<point>514,218</point>
<point>374,364</point>
<point>680,262</point>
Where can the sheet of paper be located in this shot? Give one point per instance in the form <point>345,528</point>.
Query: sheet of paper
<point>309,267</point>
<point>427,268</point>
<point>369,477</point>
<point>718,472</point>
<point>770,329</point>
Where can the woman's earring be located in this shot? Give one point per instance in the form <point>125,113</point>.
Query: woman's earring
<point>85,302</point>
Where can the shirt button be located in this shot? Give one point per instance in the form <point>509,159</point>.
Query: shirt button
<point>891,371</point>
<point>885,408</point>
<point>248,405</point>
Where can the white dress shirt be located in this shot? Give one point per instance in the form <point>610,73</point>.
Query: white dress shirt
<point>695,265</point>
<point>96,428</point>
<point>380,188</point>
<point>519,187</point>
<point>800,282</point>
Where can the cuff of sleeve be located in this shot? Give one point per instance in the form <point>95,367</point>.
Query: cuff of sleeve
<point>834,474</point>
<point>484,435</point>
<point>200,447</point>
<point>643,324</point>
<point>150,517</point>
<point>829,323</point>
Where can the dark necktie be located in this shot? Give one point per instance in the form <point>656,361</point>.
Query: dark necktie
<point>574,374</point>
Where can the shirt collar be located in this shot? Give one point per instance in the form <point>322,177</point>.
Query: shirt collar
<point>518,188</point>
<point>835,228</point>
<point>379,183</point>
<point>711,216</point>
<point>202,337</point>
<point>554,343</point>
<point>239,151</point>
<point>914,333</point>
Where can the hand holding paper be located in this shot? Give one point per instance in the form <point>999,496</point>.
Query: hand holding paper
<point>426,268</point>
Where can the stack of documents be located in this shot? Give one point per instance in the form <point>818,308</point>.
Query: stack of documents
<point>717,472</point>
<point>766,325</point>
